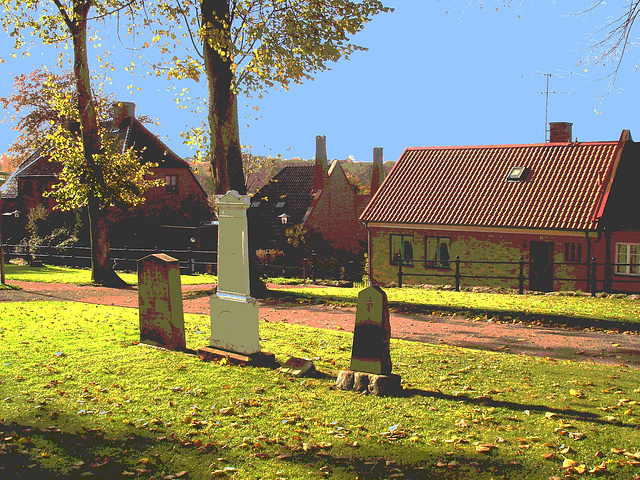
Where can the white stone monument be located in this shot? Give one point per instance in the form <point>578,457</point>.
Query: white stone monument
<point>234,313</point>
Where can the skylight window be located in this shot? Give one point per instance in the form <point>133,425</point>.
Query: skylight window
<point>518,174</point>
<point>280,205</point>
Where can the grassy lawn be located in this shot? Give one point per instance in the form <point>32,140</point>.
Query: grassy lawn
<point>78,276</point>
<point>572,310</point>
<point>78,397</point>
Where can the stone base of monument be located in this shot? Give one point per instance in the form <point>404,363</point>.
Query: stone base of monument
<point>379,385</point>
<point>259,359</point>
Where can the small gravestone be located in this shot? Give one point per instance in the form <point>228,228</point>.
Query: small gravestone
<point>370,356</point>
<point>298,367</point>
<point>160,302</point>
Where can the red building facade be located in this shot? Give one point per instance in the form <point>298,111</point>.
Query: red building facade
<point>539,212</point>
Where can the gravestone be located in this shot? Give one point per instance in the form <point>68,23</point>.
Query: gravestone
<point>370,368</point>
<point>234,313</point>
<point>160,302</point>
<point>372,333</point>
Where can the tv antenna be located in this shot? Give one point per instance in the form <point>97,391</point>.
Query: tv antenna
<point>546,101</point>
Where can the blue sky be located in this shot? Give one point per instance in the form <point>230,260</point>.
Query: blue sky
<point>448,72</point>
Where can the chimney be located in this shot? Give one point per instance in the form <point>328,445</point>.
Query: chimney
<point>321,169</point>
<point>122,110</point>
<point>377,174</point>
<point>560,132</point>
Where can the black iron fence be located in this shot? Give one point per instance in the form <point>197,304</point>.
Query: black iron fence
<point>191,261</point>
<point>308,269</point>
<point>596,276</point>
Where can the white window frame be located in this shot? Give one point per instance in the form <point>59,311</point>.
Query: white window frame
<point>624,255</point>
<point>403,254</point>
<point>434,246</point>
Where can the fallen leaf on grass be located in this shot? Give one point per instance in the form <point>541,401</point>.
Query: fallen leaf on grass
<point>576,393</point>
<point>598,468</point>
<point>580,468</point>
<point>485,447</point>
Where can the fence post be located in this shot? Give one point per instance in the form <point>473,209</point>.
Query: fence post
<point>400,272</point>
<point>457,273</point>
<point>594,281</point>
<point>191,260</point>
<point>521,277</point>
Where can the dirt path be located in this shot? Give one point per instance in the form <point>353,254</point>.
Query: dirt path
<point>561,343</point>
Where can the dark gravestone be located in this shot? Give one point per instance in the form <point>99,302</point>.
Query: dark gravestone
<point>372,333</point>
<point>370,356</point>
<point>160,302</point>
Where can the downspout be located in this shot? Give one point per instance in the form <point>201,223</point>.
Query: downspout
<point>369,259</point>
<point>588,262</point>
<point>608,271</point>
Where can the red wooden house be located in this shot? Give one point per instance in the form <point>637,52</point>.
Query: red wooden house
<point>181,202</point>
<point>556,205</point>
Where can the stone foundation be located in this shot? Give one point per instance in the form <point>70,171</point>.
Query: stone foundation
<point>259,359</point>
<point>379,385</point>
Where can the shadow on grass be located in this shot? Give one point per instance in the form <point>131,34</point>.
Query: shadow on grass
<point>48,453</point>
<point>428,465</point>
<point>30,452</point>
<point>503,316</point>
<point>519,407</point>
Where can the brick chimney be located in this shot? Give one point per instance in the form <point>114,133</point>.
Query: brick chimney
<point>321,169</point>
<point>122,110</point>
<point>560,132</point>
<point>377,174</point>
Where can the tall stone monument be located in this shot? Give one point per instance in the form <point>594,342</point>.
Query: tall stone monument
<point>160,302</point>
<point>370,356</point>
<point>234,313</point>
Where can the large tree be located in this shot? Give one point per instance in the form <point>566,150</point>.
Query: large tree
<point>61,22</point>
<point>248,46</point>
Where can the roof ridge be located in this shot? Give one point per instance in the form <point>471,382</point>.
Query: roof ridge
<point>515,145</point>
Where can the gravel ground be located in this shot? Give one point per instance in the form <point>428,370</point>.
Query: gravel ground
<point>560,343</point>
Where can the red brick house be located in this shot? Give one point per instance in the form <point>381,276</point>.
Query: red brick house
<point>557,205</point>
<point>317,196</point>
<point>181,202</point>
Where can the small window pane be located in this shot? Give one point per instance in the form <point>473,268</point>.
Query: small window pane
<point>401,249</point>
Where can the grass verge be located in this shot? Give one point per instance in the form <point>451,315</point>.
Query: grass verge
<point>78,397</point>
<point>78,276</point>
<point>578,311</point>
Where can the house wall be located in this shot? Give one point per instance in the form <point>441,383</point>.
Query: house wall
<point>335,213</point>
<point>159,201</point>
<point>500,246</point>
<point>31,190</point>
<point>140,224</point>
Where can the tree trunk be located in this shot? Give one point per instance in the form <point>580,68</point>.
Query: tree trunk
<point>101,268</point>
<point>226,153</point>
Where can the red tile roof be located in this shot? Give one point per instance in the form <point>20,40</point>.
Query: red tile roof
<point>566,187</point>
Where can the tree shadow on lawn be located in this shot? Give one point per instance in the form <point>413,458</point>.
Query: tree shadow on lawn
<point>48,453</point>
<point>487,401</point>
<point>453,465</point>
<point>28,452</point>
<point>503,316</point>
